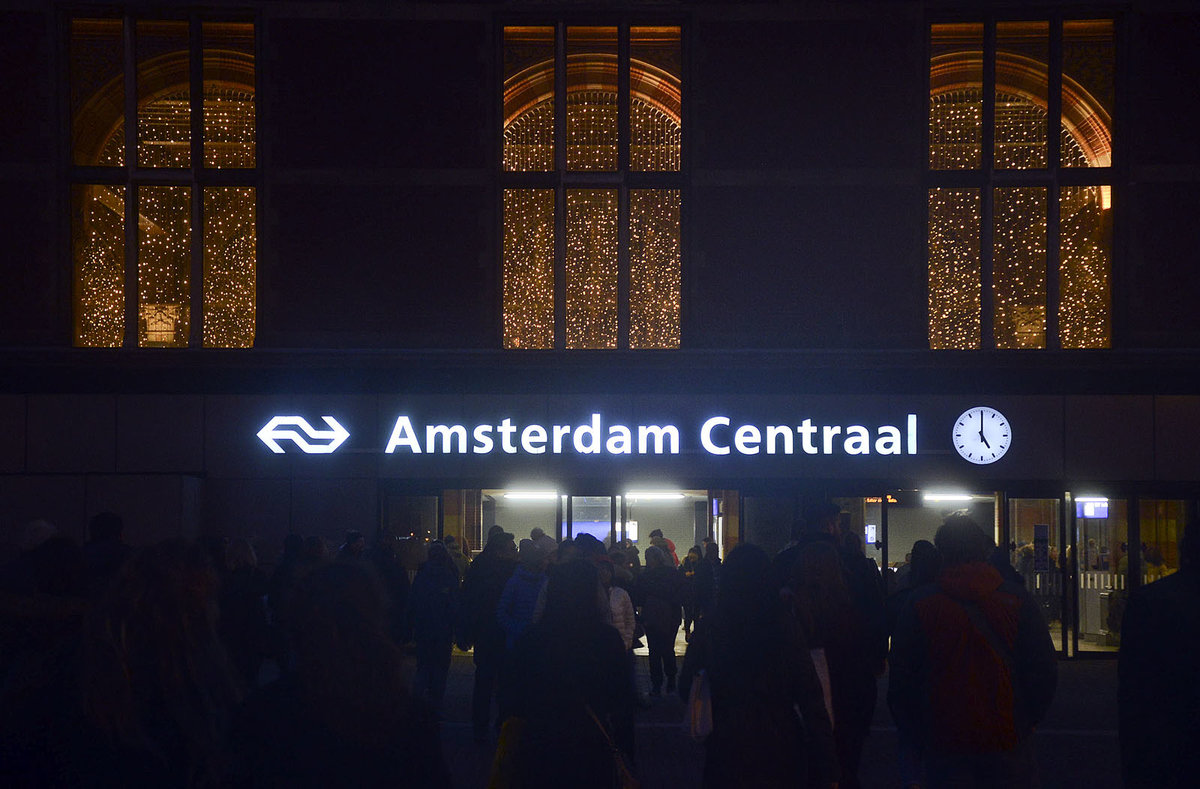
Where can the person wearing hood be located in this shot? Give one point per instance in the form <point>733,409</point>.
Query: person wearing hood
<point>973,669</point>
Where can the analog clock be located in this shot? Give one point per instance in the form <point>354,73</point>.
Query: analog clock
<point>982,435</point>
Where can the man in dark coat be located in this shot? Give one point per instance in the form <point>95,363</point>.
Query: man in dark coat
<point>1158,700</point>
<point>659,594</point>
<point>478,626</point>
<point>973,669</point>
<point>432,610</point>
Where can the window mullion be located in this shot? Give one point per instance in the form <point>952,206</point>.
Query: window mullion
<point>1053,152</point>
<point>130,339</point>
<point>988,160</point>
<point>560,195</point>
<point>623,135</point>
<point>196,117</point>
<point>623,266</point>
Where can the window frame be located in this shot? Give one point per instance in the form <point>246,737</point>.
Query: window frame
<point>561,179</point>
<point>131,176</point>
<point>986,178</point>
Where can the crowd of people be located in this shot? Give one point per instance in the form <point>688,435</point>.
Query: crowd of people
<point>185,664</point>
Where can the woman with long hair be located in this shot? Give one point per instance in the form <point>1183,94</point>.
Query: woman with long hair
<point>824,609</point>
<point>770,725</point>
<point>570,677</point>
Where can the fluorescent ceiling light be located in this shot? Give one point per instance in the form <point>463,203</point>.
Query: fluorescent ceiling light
<point>653,495</point>
<point>948,497</point>
<point>531,495</point>
<point>1092,499</point>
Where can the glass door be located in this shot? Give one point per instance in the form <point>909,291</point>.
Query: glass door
<point>594,515</point>
<point>1035,552</point>
<point>907,516</point>
<point>1095,561</point>
<point>521,510</point>
<point>681,516</point>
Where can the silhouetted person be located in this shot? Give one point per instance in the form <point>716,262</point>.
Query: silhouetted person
<point>924,566</point>
<point>478,625</point>
<point>385,562</point>
<point>668,546</point>
<point>354,546</point>
<point>781,564</point>
<point>105,551</point>
<point>659,594</point>
<point>432,611</point>
<point>285,575</point>
<point>925,563</point>
<point>244,624</point>
<point>343,717</point>
<point>522,601</point>
<point>217,548</point>
<point>864,586</point>
<point>827,617</point>
<point>973,669</point>
<point>567,664</point>
<point>40,620</point>
<point>760,672</point>
<point>708,578</point>
<point>280,587</point>
<point>146,697</point>
<point>688,569</point>
<point>316,551</point>
<point>999,559</point>
<point>456,555</point>
<point>1158,696</point>
<point>547,543</point>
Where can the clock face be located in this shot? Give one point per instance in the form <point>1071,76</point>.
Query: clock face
<point>982,435</point>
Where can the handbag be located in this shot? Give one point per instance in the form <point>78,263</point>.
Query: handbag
<point>623,777</point>
<point>821,666</point>
<point>700,722</point>
<point>504,762</point>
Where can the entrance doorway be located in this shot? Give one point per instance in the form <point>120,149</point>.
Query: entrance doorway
<point>684,516</point>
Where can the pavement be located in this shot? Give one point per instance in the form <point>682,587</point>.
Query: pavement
<point>1076,744</point>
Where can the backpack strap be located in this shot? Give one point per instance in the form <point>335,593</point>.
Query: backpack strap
<point>981,624</point>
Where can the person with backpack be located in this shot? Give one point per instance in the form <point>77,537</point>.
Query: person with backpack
<point>973,669</point>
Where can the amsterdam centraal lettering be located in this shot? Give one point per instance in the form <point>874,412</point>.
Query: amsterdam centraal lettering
<point>718,435</point>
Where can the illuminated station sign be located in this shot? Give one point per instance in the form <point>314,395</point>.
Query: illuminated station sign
<point>981,435</point>
<point>717,436</point>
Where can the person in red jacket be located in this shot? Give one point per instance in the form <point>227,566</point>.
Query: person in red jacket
<point>657,539</point>
<point>973,669</point>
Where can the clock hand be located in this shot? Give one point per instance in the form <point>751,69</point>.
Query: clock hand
<point>982,437</point>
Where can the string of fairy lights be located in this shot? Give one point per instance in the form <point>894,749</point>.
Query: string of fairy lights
<point>165,230</point>
<point>654,275</point>
<point>1019,233</point>
<point>528,263</point>
<point>590,268</point>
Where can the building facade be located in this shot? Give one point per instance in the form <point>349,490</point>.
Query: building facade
<point>418,268</point>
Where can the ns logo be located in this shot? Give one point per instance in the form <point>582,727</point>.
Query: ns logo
<point>297,430</point>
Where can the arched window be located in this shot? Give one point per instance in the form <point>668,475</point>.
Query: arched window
<point>1020,228</point>
<point>592,195</point>
<point>164,214</point>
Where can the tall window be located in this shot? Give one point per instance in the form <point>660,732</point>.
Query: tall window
<point>592,186</point>
<point>1020,214</point>
<point>163,197</point>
